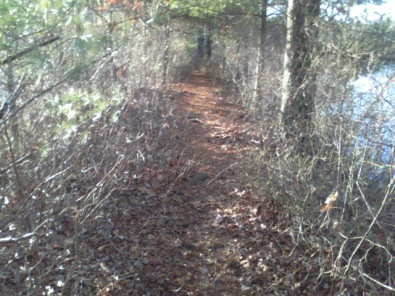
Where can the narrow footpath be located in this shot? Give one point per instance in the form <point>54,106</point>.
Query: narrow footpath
<point>206,232</point>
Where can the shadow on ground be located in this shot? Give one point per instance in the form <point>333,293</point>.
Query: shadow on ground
<point>201,233</point>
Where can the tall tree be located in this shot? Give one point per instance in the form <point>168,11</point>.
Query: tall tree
<point>262,36</point>
<point>297,103</point>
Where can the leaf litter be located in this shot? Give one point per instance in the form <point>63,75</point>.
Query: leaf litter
<point>187,224</point>
<point>193,228</point>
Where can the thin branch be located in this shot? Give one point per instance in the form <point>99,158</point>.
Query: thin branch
<point>386,197</point>
<point>27,50</point>
<point>3,170</point>
<point>8,104</point>
<point>221,172</point>
<point>379,283</point>
<point>28,102</point>
<point>16,171</point>
<point>32,99</point>
<point>10,239</point>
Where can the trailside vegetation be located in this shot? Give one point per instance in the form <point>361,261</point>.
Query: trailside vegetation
<point>93,108</point>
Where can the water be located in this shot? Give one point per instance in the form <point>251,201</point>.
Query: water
<point>374,110</point>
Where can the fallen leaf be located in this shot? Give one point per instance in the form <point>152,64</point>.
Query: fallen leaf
<point>330,201</point>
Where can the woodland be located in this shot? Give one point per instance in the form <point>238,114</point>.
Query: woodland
<point>185,147</point>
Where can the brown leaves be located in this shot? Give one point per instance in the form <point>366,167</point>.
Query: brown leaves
<point>330,201</point>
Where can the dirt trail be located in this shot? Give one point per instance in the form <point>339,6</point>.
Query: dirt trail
<point>213,141</point>
<point>204,235</point>
<point>213,138</point>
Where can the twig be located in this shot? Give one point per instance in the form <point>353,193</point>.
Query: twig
<point>386,197</point>
<point>18,178</point>
<point>10,239</point>
<point>9,103</point>
<point>3,170</point>
<point>29,101</point>
<point>4,120</point>
<point>220,173</point>
<point>379,283</point>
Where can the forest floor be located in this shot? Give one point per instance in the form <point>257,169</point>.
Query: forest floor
<point>204,233</point>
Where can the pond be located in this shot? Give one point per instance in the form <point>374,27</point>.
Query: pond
<point>374,110</point>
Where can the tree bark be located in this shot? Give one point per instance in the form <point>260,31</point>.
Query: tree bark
<point>166,53</point>
<point>260,61</point>
<point>298,91</point>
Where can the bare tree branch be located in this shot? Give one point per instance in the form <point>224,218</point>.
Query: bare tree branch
<point>10,239</point>
<point>27,50</point>
<point>379,283</point>
<point>3,170</point>
<point>390,189</point>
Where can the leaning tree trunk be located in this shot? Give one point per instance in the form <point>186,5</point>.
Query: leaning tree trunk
<point>298,92</point>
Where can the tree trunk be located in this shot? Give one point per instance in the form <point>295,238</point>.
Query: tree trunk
<point>260,61</point>
<point>298,92</point>
<point>166,53</point>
